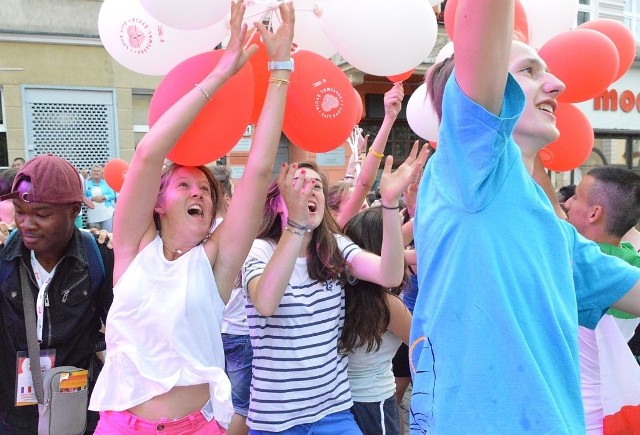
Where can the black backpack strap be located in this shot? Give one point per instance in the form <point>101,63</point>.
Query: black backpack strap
<point>94,259</point>
<point>7,267</point>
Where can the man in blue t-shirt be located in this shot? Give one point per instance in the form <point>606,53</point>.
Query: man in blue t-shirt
<point>504,282</point>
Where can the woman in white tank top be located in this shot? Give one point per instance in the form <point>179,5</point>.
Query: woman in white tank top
<point>164,368</point>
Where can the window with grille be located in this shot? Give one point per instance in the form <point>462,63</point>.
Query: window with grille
<point>76,124</point>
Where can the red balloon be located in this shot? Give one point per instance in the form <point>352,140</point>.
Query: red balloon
<point>222,121</point>
<point>260,76</point>
<point>575,143</point>
<point>401,77</point>
<point>585,60</point>
<point>359,106</point>
<point>621,37</point>
<point>520,25</point>
<point>114,172</point>
<point>321,105</point>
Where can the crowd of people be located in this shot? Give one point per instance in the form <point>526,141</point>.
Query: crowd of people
<point>312,316</point>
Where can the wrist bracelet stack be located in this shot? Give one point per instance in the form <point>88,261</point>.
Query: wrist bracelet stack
<point>301,229</point>
<point>294,231</point>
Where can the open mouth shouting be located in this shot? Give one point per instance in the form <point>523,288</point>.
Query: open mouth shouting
<point>195,210</point>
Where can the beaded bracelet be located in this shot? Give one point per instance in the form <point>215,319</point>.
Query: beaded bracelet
<point>297,226</point>
<point>294,231</point>
<point>206,94</point>
<point>376,154</point>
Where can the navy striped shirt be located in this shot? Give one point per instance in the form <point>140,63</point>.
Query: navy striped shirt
<point>298,376</point>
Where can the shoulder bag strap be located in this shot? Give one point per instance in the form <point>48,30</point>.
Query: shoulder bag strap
<point>32,340</point>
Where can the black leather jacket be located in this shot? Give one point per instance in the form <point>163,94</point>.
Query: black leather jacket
<point>72,321</point>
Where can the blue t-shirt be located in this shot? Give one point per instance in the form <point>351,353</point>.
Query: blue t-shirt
<point>494,334</point>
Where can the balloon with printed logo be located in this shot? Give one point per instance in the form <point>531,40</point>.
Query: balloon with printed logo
<point>321,106</point>
<point>186,14</point>
<point>401,77</point>
<point>422,116</point>
<point>585,60</point>
<point>575,143</point>
<point>548,18</point>
<point>223,120</point>
<point>139,42</point>
<point>359,106</point>
<point>621,37</point>
<point>381,37</point>
<point>114,173</point>
<point>521,24</point>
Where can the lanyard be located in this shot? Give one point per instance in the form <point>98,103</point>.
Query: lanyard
<point>43,279</point>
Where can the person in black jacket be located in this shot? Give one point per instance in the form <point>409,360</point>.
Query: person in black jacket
<point>70,303</point>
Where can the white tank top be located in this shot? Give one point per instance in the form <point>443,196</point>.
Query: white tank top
<point>371,374</point>
<point>163,330</point>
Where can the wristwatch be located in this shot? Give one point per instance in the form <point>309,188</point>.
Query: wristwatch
<point>284,64</point>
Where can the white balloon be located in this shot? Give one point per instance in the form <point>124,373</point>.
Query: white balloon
<point>435,2</point>
<point>308,34</point>
<point>445,52</point>
<point>187,14</point>
<point>422,116</point>
<point>142,44</point>
<point>547,18</point>
<point>381,37</point>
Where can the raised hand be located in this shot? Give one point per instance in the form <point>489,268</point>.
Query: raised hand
<point>411,192</point>
<point>392,185</point>
<point>235,55</point>
<point>296,189</point>
<point>393,100</point>
<point>278,44</point>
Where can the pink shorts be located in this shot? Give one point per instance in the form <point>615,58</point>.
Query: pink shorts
<point>124,422</point>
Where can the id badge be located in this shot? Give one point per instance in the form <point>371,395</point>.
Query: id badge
<point>25,393</point>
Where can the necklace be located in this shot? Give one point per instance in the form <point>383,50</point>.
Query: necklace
<point>180,251</point>
<point>175,251</point>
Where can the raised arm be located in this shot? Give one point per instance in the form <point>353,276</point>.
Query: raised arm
<point>252,187</point>
<point>482,38</point>
<point>266,291</point>
<point>388,269</point>
<point>133,220</point>
<point>364,182</point>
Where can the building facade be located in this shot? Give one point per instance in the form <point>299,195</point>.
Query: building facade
<point>61,92</point>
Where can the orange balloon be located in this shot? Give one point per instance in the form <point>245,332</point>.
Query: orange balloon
<point>575,143</point>
<point>114,173</point>
<point>520,24</point>
<point>621,37</point>
<point>260,76</point>
<point>585,60</point>
<point>359,106</point>
<point>321,105</point>
<point>401,77</point>
<point>223,120</point>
